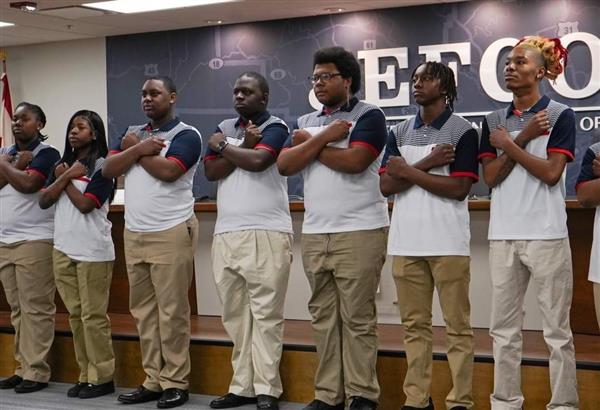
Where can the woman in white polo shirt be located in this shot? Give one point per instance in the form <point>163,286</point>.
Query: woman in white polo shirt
<point>84,253</point>
<point>26,247</point>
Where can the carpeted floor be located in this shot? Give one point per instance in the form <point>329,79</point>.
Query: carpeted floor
<point>55,398</point>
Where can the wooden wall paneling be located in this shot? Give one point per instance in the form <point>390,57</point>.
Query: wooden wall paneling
<point>581,224</point>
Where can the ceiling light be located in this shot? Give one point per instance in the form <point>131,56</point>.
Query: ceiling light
<point>24,5</point>
<point>334,9</point>
<point>5,24</point>
<point>136,6</point>
<point>214,21</point>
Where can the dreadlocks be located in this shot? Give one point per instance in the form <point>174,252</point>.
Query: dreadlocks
<point>446,77</point>
<point>554,55</point>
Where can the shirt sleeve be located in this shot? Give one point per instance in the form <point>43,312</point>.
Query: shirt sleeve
<point>115,146</point>
<point>586,174</point>
<point>465,161</point>
<point>562,137</point>
<point>485,148</point>
<point>185,149</point>
<point>391,150</point>
<point>274,136</point>
<point>370,132</point>
<point>99,189</point>
<point>43,163</point>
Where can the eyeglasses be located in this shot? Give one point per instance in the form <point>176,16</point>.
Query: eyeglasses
<point>323,76</point>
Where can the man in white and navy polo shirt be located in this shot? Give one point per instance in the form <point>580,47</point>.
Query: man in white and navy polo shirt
<point>26,233</point>
<point>252,244</point>
<point>339,150</point>
<point>429,166</point>
<point>159,160</point>
<point>588,194</point>
<point>524,150</point>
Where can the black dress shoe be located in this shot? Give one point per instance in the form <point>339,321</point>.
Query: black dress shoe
<point>11,382</point>
<point>321,405</point>
<point>172,397</point>
<point>429,406</point>
<point>29,386</point>
<point>458,408</point>
<point>360,403</point>
<point>141,395</point>
<point>231,400</point>
<point>96,390</point>
<point>266,402</point>
<point>74,391</point>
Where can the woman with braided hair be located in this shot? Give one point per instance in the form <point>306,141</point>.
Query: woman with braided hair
<point>524,150</point>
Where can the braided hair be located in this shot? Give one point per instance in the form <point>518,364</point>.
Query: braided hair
<point>446,76</point>
<point>553,53</point>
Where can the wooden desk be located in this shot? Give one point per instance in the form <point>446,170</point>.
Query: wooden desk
<point>580,224</point>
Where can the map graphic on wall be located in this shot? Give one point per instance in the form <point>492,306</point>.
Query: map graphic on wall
<point>472,37</point>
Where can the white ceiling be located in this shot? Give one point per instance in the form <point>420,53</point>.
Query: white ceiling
<point>59,20</point>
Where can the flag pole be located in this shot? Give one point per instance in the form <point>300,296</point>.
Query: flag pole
<point>3,58</point>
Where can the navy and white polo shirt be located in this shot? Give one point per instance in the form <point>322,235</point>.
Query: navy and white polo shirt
<point>152,205</point>
<point>522,206</point>
<point>587,175</point>
<point>337,201</point>
<point>425,224</point>
<point>253,200</point>
<point>21,218</point>
<point>86,237</point>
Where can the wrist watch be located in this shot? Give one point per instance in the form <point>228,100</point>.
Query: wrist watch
<point>221,146</point>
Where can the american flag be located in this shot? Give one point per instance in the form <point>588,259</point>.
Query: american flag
<point>6,137</point>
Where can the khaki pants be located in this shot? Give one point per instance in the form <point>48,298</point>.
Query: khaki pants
<point>160,266</point>
<point>251,270</point>
<point>548,263</point>
<point>597,301</point>
<point>84,288</point>
<point>343,270</point>
<point>26,275</point>
<point>416,278</point>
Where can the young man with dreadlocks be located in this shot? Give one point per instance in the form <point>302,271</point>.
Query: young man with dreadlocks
<point>524,150</point>
<point>429,166</point>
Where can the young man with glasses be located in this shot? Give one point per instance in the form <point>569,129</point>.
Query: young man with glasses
<point>338,149</point>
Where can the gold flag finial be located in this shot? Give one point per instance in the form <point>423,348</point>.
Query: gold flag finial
<point>2,54</point>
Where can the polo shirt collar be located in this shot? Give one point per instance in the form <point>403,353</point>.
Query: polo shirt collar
<point>438,123</point>
<point>259,120</point>
<point>537,107</point>
<point>165,128</point>
<point>33,145</point>
<point>348,107</point>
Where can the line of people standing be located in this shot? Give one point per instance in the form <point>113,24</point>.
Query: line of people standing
<point>350,163</point>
